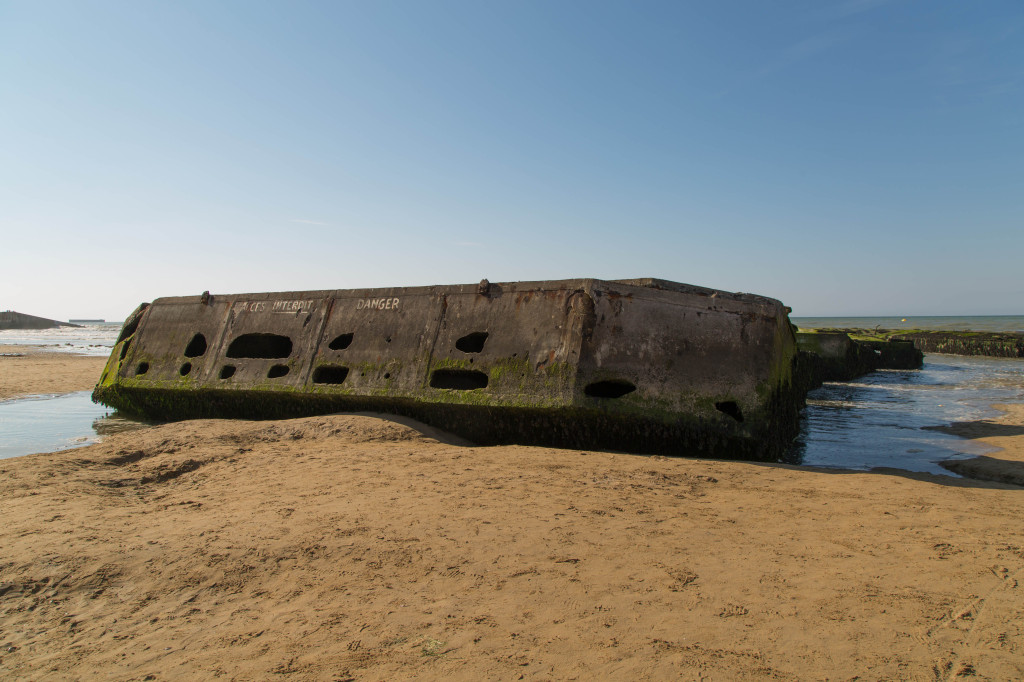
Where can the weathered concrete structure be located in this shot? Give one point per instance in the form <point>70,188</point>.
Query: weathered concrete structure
<point>9,319</point>
<point>639,365</point>
<point>836,356</point>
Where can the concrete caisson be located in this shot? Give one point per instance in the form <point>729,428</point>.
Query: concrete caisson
<point>641,365</point>
<point>10,319</point>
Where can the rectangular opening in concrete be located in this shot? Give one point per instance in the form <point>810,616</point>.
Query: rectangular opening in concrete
<point>330,374</point>
<point>277,371</point>
<point>613,388</point>
<point>458,379</point>
<point>341,342</point>
<point>129,328</point>
<point>196,347</point>
<point>730,408</point>
<point>263,346</point>
<point>472,343</point>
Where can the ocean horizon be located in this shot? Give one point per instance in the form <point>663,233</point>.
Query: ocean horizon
<point>978,323</point>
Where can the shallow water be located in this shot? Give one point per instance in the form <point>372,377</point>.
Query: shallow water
<point>876,421</point>
<point>49,423</point>
<point>879,419</point>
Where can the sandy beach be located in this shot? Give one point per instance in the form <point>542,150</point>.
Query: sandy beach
<point>357,548</point>
<point>29,370</point>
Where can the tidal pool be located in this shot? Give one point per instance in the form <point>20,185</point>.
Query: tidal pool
<point>49,423</point>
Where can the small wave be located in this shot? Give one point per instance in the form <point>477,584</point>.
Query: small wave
<point>880,386</point>
<point>88,340</point>
<point>834,403</point>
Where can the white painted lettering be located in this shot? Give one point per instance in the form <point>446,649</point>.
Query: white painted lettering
<point>377,304</point>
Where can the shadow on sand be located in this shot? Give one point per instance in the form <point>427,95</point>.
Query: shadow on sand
<point>979,429</point>
<point>979,472</point>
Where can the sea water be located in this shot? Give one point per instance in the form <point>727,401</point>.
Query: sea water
<point>880,420</point>
<point>885,419</point>
<point>50,423</point>
<point>90,339</point>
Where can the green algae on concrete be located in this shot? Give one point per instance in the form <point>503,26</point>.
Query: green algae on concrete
<point>991,344</point>
<point>836,355</point>
<point>964,342</point>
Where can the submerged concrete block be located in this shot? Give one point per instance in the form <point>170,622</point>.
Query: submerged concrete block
<point>838,357</point>
<point>640,365</point>
<point>992,344</point>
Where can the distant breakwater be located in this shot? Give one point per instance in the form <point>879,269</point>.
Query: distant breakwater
<point>989,344</point>
<point>837,355</point>
<point>844,354</point>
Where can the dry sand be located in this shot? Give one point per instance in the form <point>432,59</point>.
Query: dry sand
<point>354,548</point>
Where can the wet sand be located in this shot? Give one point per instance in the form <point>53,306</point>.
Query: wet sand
<point>30,370</point>
<point>351,548</point>
<point>1007,433</point>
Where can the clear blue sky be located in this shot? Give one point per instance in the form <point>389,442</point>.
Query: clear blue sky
<point>849,157</point>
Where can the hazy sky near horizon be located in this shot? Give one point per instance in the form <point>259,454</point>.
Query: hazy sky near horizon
<point>849,157</point>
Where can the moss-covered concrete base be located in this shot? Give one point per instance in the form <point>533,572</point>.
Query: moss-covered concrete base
<point>767,438</point>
